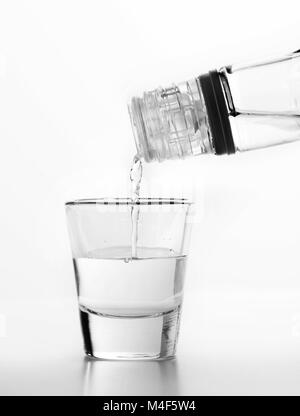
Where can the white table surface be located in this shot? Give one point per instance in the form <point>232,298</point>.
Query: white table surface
<point>230,344</point>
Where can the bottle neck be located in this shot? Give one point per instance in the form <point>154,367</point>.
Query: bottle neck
<point>217,112</point>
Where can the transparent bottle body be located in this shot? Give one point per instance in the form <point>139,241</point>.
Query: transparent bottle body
<point>264,102</point>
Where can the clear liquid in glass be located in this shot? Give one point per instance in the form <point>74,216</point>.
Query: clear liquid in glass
<point>136,301</point>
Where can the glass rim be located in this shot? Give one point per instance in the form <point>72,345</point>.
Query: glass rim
<point>129,201</point>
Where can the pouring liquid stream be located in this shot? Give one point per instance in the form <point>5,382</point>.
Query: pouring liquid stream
<point>136,173</point>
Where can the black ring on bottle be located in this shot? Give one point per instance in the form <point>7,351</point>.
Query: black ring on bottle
<point>217,113</point>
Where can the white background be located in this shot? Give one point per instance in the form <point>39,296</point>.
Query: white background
<point>67,71</point>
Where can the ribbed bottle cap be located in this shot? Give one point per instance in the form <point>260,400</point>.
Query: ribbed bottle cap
<point>171,123</point>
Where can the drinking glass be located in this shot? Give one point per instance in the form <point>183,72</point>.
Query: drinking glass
<point>129,260</point>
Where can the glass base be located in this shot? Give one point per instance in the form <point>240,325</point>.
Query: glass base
<point>152,337</point>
